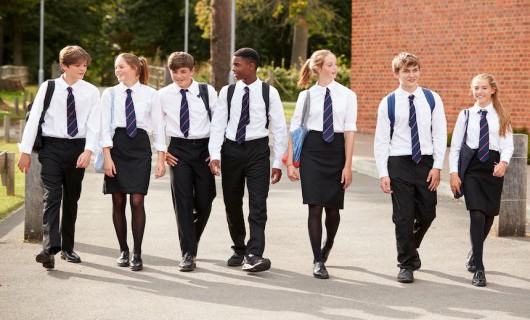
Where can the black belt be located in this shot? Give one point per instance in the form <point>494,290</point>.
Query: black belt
<point>76,141</point>
<point>248,142</point>
<point>178,140</point>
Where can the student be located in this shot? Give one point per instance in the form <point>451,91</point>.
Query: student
<point>127,155</point>
<point>69,136</point>
<point>187,107</point>
<point>409,148</point>
<point>325,162</point>
<point>244,122</point>
<point>489,134</point>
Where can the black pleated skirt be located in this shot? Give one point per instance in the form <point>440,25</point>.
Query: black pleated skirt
<point>482,191</point>
<point>321,165</point>
<point>132,158</point>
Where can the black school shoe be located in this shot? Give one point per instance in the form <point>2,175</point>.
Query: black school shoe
<point>47,260</point>
<point>256,264</point>
<point>236,260</point>
<point>187,263</point>
<point>479,279</point>
<point>405,276</point>
<point>320,271</point>
<point>70,256</point>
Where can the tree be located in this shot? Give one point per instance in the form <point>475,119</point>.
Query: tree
<point>220,43</point>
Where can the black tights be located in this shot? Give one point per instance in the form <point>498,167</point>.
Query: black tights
<point>314,224</point>
<point>480,227</point>
<point>119,201</point>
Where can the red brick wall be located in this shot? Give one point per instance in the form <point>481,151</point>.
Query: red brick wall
<point>455,40</point>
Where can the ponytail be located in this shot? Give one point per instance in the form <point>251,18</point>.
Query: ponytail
<point>144,72</point>
<point>305,75</point>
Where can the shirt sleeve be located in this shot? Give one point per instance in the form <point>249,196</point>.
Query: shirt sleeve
<point>350,121</point>
<point>456,142</point>
<point>93,122</point>
<point>218,125</point>
<point>158,123</point>
<point>506,146</point>
<point>32,126</point>
<point>278,127</point>
<point>296,119</point>
<point>439,133</point>
<point>382,139</point>
<point>105,108</point>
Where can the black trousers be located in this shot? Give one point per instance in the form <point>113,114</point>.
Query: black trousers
<point>248,161</point>
<point>192,190</point>
<point>61,181</point>
<point>414,206</point>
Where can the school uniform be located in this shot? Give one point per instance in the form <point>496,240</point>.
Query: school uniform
<point>414,206</point>
<point>322,161</point>
<point>137,113</point>
<point>247,160</point>
<point>71,125</point>
<point>481,189</point>
<point>192,183</point>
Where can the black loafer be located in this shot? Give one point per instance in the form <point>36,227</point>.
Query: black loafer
<point>47,260</point>
<point>236,260</point>
<point>137,263</point>
<point>70,256</point>
<point>405,276</point>
<point>256,264</point>
<point>187,263</point>
<point>470,263</point>
<point>479,278</point>
<point>123,260</point>
<point>320,271</point>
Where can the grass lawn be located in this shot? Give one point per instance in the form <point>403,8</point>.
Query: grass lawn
<point>8,98</point>
<point>8,204</point>
<point>288,110</point>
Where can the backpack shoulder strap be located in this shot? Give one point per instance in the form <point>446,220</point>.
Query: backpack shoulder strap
<point>391,105</point>
<point>203,93</point>
<point>430,98</point>
<point>47,100</point>
<point>265,91</point>
<point>229,95</point>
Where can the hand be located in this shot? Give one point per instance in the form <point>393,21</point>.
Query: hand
<point>385,185</point>
<point>160,168</point>
<point>24,162</point>
<point>276,175</point>
<point>500,169</point>
<point>455,183</point>
<point>171,160</point>
<point>84,159</point>
<point>434,179</point>
<point>292,173</point>
<point>215,167</point>
<point>346,177</point>
<point>108,166</point>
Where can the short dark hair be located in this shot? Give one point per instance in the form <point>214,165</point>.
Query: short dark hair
<point>249,54</point>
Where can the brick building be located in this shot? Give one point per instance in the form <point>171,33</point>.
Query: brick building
<point>454,39</point>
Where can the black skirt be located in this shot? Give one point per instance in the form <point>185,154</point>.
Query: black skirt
<point>482,191</point>
<point>132,159</point>
<point>321,165</point>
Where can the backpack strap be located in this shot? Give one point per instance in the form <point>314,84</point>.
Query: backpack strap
<point>229,96</point>
<point>203,93</point>
<point>430,98</point>
<point>265,91</point>
<point>47,101</point>
<point>391,105</point>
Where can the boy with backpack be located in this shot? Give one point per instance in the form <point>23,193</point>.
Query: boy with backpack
<point>188,107</point>
<point>409,149</point>
<point>240,139</point>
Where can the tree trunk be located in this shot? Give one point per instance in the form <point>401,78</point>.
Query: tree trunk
<point>17,40</point>
<point>299,50</point>
<point>1,43</point>
<point>220,43</point>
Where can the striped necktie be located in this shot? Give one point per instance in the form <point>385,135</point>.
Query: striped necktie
<point>184,114</point>
<point>483,144</point>
<point>328,133</point>
<point>71,118</point>
<point>130,116</point>
<point>244,119</point>
<point>415,139</point>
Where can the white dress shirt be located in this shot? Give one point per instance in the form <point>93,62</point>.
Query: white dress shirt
<point>258,117</point>
<point>146,108</point>
<point>86,98</point>
<point>170,100</point>
<point>502,144</point>
<point>433,142</point>
<point>344,108</point>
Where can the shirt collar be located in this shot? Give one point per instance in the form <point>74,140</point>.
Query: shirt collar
<point>254,85</point>
<point>332,86</point>
<point>63,85</point>
<point>476,108</point>
<point>193,88</point>
<point>135,87</point>
<point>402,92</point>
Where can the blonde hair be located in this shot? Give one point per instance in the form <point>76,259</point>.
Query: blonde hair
<point>142,71</point>
<point>404,60</point>
<point>505,122</point>
<point>309,69</point>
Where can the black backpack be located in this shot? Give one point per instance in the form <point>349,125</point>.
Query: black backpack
<point>203,94</point>
<point>37,145</point>
<point>265,89</point>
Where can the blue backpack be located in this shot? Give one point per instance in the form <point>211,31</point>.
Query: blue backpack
<point>391,101</point>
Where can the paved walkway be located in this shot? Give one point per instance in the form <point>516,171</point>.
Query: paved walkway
<point>362,267</point>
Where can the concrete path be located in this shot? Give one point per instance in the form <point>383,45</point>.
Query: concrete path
<point>362,266</point>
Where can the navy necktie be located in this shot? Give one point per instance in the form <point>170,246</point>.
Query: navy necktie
<point>71,118</point>
<point>415,139</point>
<point>184,114</point>
<point>130,116</point>
<point>483,144</point>
<point>328,133</point>
<point>244,119</point>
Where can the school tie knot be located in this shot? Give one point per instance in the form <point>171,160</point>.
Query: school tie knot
<point>184,114</point>
<point>130,116</point>
<point>483,113</point>
<point>411,98</point>
<point>483,144</point>
<point>71,117</point>
<point>328,132</point>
